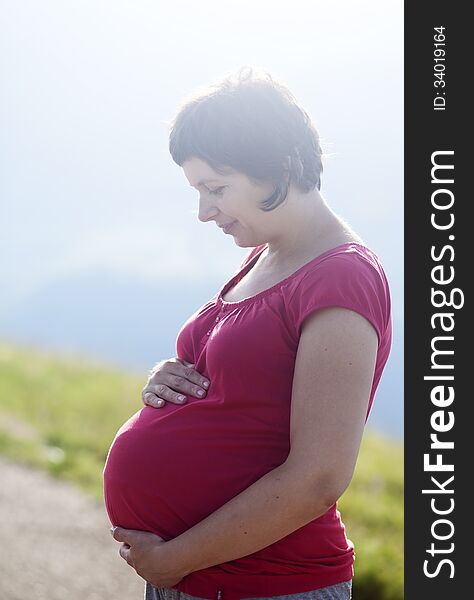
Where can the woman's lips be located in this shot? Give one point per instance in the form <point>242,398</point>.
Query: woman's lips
<point>228,228</point>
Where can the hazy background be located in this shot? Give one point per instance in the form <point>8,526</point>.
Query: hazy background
<point>101,252</point>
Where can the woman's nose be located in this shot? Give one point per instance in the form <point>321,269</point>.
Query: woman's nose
<point>207,210</point>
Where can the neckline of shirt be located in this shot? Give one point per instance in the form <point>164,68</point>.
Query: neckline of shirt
<point>227,286</point>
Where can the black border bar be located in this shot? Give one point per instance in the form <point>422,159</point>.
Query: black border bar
<point>438,255</point>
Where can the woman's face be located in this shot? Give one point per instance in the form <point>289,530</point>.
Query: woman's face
<point>231,200</point>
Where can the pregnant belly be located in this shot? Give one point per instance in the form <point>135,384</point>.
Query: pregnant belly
<point>167,469</point>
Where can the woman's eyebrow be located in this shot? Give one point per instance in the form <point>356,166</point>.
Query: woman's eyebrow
<point>204,181</point>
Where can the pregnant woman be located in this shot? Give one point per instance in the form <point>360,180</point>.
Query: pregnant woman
<point>224,485</point>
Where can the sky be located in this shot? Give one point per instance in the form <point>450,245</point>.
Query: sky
<point>89,89</point>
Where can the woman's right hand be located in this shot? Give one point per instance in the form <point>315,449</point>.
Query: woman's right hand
<point>170,380</point>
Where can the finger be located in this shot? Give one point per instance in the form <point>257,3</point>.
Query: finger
<point>153,394</point>
<point>176,388</point>
<point>189,372</point>
<point>180,378</point>
<point>124,552</point>
<point>117,533</point>
<point>176,374</point>
<point>151,399</point>
<point>187,364</point>
<point>128,536</point>
<point>161,391</point>
<point>134,537</point>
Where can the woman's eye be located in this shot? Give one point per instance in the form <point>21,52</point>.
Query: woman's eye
<point>217,191</point>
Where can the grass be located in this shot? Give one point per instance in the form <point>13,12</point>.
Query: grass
<point>372,510</point>
<point>61,414</point>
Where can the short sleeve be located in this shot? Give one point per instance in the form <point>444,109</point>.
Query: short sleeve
<point>349,280</point>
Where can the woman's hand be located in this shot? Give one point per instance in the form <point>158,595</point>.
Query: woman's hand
<point>150,556</point>
<point>171,380</point>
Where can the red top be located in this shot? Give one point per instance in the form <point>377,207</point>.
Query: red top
<point>169,468</point>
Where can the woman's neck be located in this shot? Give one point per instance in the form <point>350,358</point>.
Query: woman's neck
<point>307,227</point>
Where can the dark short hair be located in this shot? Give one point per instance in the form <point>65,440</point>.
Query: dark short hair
<point>252,123</point>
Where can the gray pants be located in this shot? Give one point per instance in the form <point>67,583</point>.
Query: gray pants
<point>340,591</point>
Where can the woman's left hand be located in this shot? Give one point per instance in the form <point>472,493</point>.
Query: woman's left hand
<point>148,555</point>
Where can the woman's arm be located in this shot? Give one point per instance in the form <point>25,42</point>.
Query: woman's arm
<point>331,388</point>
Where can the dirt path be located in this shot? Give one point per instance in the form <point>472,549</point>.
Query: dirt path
<point>55,542</point>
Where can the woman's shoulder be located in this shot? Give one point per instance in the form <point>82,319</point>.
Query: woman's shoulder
<point>343,259</point>
<point>349,254</point>
<point>349,275</point>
